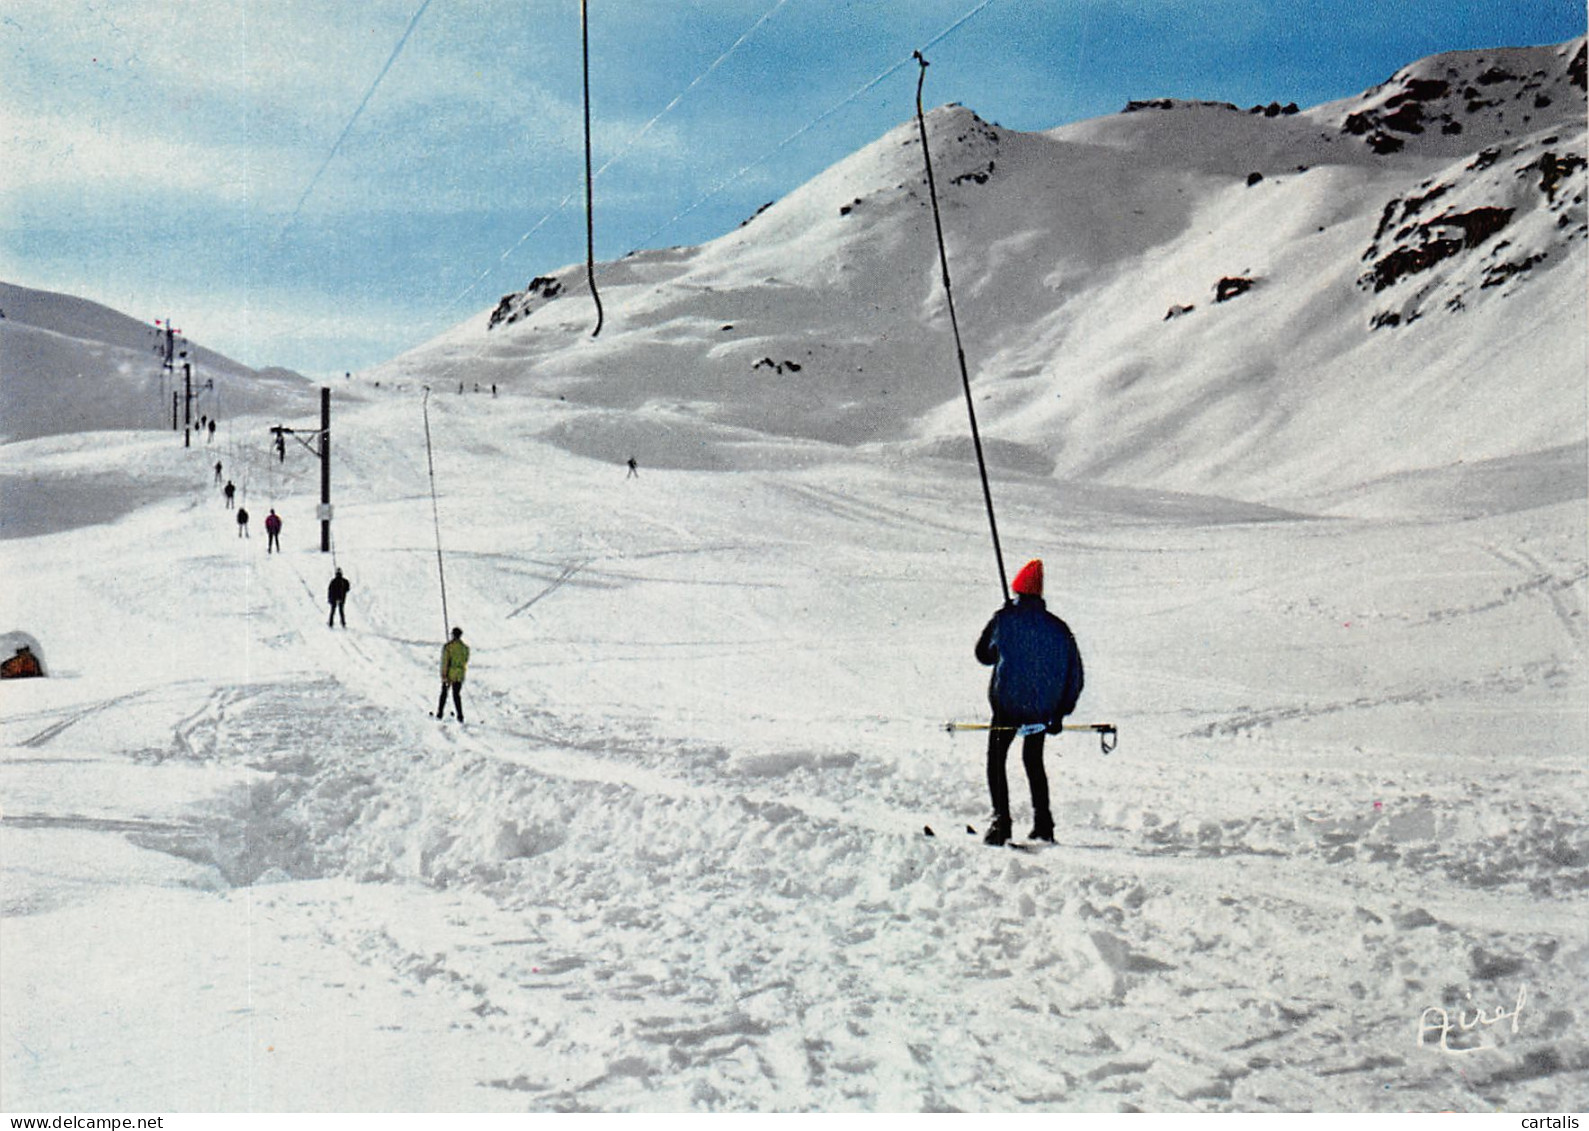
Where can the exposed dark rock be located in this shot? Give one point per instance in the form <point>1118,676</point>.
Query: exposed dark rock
<point>1501,272</point>
<point>1386,218</point>
<point>1231,286</point>
<point>1409,261</point>
<point>777,366</point>
<point>1136,105</point>
<point>1414,204</point>
<point>1553,170</point>
<point>1253,178</point>
<point>1179,309</point>
<point>1406,119</point>
<point>1437,244</point>
<point>500,314</point>
<point>1479,224</point>
<point>1419,90</point>
<point>516,306</point>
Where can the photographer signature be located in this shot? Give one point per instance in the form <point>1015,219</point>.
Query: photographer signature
<point>1438,1022</point>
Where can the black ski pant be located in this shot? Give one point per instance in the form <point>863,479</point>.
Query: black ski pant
<point>273,541</point>
<point>457,698</point>
<point>337,608</point>
<point>999,741</point>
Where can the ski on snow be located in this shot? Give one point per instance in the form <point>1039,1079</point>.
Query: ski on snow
<point>1017,845</point>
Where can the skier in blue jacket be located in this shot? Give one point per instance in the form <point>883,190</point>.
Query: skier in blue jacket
<point>1037,679</point>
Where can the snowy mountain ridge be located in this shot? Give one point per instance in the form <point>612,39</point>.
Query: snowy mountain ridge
<point>70,365</point>
<point>1124,285</point>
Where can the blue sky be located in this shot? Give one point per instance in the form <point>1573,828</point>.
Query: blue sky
<point>209,160</point>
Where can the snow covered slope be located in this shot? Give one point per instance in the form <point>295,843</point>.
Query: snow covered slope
<point>678,858</point>
<point>72,370</point>
<point>69,365</point>
<point>1269,304</point>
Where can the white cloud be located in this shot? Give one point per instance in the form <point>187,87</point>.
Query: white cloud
<point>54,152</point>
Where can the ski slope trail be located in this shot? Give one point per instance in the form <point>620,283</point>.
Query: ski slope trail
<point>676,858</point>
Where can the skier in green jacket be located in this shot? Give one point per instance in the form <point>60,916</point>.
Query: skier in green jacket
<point>454,662</point>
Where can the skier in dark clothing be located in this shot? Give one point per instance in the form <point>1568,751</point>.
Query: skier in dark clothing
<point>454,663</point>
<point>217,471</point>
<point>338,593</point>
<point>242,522</point>
<point>1037,678</point>
<point>634,469</point>
<point>272,531</point>
<point>229,491</point>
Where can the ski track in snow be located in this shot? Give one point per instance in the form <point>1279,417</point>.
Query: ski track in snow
<point>599,909</point>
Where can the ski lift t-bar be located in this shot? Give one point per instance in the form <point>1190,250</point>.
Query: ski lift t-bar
<point>954,324</point>
<point>1108,733</point>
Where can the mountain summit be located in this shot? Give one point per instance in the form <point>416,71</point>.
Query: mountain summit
<point>1270,303</point>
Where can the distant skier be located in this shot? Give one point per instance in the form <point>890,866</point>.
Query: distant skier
<point>634,469</point>
<point>211,440</point>
<point>454,663</point>
<point>338,594</point>
<point>272,531</point>
<point>228,491</point>
<point>1037,678</point>
<point>217,471</point>
<point>242,522</point>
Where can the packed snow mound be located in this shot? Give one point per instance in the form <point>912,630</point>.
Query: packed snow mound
<point>1260,304</point>
<point>70,365</point>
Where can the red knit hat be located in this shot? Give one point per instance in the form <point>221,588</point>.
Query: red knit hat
<point>1029,582</point>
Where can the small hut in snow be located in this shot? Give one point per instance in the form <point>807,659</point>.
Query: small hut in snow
<point>20,656</point>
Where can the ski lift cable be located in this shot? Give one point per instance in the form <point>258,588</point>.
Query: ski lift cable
<point>435,512</point>
<point>859,92</point>
<point>954,323</point>
<point>590,221</point>
<point>627,147</point>
<point>347,129</point>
